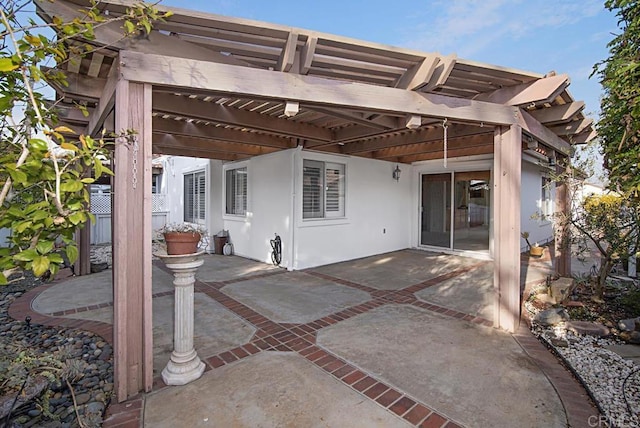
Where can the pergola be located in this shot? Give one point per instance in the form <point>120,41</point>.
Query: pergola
<point>210,86</point>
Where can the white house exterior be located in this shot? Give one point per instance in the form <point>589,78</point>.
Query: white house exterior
<point>376,213</point>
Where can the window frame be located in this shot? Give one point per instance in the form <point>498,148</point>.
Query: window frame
<point>330,204</point>
<point>233,172</point>
<point>198,196</point>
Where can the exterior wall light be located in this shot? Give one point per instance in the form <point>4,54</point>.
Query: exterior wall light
<point>396,173</point>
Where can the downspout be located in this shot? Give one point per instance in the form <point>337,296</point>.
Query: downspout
<point>295,160</point>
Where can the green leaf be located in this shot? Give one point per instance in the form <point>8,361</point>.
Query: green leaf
<point>38,144</point>
<point>77,217</point>
<point>55,258</point>
<point>88,180</point>
<point>40,265</point>
<point>72,253</point>
<point>21,227</point>
<point>5,103</point>
<point>71,186</point>
<point>26,255</point>
<point>18,176</point>
<point>3,279</point>
<point>7,64</point>
<point>44,247</point>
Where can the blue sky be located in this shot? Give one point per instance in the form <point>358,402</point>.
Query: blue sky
<point>568,36</point>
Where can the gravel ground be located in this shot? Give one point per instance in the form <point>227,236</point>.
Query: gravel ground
<point>612,381</point>
<point>86,352</point>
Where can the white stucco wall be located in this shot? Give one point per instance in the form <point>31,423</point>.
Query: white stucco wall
<point>378,214</point>
<point>268,207</point>
<point>540,231</point>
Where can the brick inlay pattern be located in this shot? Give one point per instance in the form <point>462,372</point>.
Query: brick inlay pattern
<point>301,338</point>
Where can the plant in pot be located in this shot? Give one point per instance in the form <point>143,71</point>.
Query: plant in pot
<point>182,238</point>
<point>534,250</point>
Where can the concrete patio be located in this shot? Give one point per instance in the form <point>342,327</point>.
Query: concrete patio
<point>398,339</point>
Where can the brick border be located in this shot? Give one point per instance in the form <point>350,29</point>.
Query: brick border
<point>301,338</point>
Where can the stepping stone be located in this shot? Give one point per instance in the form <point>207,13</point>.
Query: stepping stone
<point>588,328</point>
<point>628,352</point>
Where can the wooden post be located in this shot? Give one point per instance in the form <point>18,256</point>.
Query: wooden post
<point>507,166</point>
<point>562,244</point>
<point>133,352</point>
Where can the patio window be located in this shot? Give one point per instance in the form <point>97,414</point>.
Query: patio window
<point>236,191</point>
<point>323,189</point>
<point>546,203</point>
<point>194,197</point>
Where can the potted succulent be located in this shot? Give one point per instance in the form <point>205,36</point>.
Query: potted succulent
<point>534,250</point>
<point>182,238</point>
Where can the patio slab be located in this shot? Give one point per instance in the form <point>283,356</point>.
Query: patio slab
<point>217,268</point>
<point>470,292</point>
<point>472,374</point>
<point>397,270</point>
<point>272,389</point>
<point>295,297</point>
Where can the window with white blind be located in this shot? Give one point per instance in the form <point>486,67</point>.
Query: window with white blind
<point>236,191</point>
<point>322,189</point>
<point>194,197</point>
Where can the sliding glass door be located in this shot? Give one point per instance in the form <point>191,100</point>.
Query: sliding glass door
<point>456,210</point>
<point>436,210</point>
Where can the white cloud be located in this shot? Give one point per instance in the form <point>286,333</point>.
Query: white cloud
<point>469,26</point>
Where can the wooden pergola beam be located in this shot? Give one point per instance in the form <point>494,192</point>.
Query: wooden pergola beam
<point>220,133</point>
<point>435,146</point>
<point>537,92</point>
<point>105,103</point>
<point>185,142</point>
<point>78,86</point>
<point>482,149</point>
<point>211,112</point>
<point>558,114</point>
<point>379,122</point>
<point>243,81</point>
<point>421,136</point>
<point>574,127</point>
<point>418,75</point>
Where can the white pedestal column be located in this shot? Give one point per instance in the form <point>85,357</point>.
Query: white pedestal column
<point>185,365</point>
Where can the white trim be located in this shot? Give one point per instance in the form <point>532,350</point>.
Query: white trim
<point>230,167</point>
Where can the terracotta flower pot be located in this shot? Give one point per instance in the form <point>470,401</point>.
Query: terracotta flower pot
<point>181,242</point>
<point>536,251</point>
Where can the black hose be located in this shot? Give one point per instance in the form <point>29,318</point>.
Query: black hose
<point>276,254</point>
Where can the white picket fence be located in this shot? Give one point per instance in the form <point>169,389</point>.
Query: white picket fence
<point>101,208</point>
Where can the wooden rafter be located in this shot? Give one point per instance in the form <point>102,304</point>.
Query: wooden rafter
<point>418,75</point>
<point>78,86</point>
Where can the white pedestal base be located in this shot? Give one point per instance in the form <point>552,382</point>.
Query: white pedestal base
<point>182,369</point>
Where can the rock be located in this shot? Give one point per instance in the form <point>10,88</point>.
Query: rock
<point>99,267</point>
<point>631,337</point>
<point>574,304</point>
<point>588,328</point>
<point>629,324</point>
<point>559,343</point>
<point>95,407</point>
<point>551,316</point>
<point>559,289</point>
<point>82,398</point>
